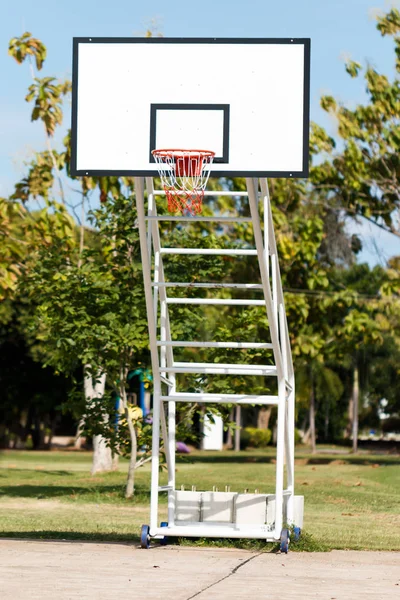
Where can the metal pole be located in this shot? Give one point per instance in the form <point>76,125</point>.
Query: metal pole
<point>139,189</point>
<point>262,259</point>
<point>270,301</point>
<point>287,360</point>
<point>167,358</point>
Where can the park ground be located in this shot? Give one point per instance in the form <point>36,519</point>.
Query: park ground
<point>352,502</point>
<point>32,570</point>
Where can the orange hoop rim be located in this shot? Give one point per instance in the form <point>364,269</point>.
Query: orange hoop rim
<point>176,152</point>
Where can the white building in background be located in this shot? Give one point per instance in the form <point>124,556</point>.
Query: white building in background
<point>213,433</point>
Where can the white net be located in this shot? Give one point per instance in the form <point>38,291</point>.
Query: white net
<point>184,176</point>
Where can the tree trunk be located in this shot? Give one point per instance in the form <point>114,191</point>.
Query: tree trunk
<point>130,482</point>
<point>264,415</point>
<point>349,427</point>
<point>326,421</point>
<point>52,428</point>
<point>102,457</point>
<point>312,417</point>
<point>229,441</point>
<point>355,397</point>
<point>78,434</point>
<point>238,427</point>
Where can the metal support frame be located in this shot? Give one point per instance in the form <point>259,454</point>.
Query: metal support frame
<point>165,368</point>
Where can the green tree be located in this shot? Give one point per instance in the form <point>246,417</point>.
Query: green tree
<point>48,170</point>
<point>359,331</point>
<point>91,313</point>
<point>364,176</point>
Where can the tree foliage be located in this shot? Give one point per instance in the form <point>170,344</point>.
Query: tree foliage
<point>364,176</point>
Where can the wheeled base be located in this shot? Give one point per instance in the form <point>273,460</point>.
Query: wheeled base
<point>229,515</point>
<point>145,536</point>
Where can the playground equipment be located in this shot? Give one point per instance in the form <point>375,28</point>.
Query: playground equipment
<point>203,513</point>
<point>256,131</point>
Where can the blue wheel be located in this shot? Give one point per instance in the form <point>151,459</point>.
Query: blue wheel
<point>145,537</point>
<point>296,533</point>
<point>285,540</point>
<point>164,540</point>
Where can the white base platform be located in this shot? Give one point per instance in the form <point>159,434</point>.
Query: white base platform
<point>216,530</point>
<point>227,515</point>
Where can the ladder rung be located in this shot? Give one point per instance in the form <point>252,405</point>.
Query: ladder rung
<point>221,301</point>
<point>211,251</point>
<point>200,219</point>
<point>224,398</point>
<point>221,369</point>
<point>215,344</point>
<point>236,286</point>
<point>223,365</point>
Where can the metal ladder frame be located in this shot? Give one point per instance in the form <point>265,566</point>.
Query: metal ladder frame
<point>165,369</point>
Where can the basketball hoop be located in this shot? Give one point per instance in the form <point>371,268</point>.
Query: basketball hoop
<point>184,175</point>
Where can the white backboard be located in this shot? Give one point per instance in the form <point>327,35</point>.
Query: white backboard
<point>245,99</point>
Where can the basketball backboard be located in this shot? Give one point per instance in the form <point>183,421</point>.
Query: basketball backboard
<point>247,100</point>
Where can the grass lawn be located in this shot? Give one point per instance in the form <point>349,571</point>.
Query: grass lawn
<point>351,502</point>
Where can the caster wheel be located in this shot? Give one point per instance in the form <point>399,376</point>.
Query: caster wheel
<point>297,533</point>
<point>285,540</point>
<point>164,540</point>
<point>145,537</point>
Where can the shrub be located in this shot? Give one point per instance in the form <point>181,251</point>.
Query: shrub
<point>244,439</point>
<point>391,425</point>
<point>298,438</point>
<point>258,438</point>
<point>29,443</point>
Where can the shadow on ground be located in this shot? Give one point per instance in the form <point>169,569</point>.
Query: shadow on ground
<point>52,535</point>
<point>44,491</point>
<point>39,471</point>
<point>350,459</point>
<point>306,543</point>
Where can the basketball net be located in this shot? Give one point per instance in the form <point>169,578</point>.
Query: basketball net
<point>184,176</point>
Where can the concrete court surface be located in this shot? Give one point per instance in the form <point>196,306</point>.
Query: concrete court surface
<point>96,571</point>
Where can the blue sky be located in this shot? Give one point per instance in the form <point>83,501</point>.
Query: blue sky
<point>337,28</point>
